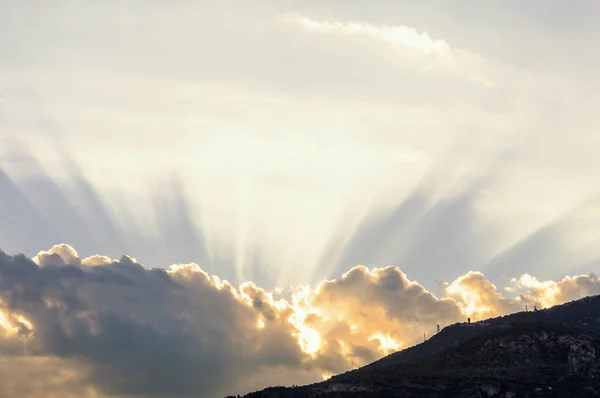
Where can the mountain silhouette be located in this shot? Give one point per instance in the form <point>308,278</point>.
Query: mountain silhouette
<point>547,353</point>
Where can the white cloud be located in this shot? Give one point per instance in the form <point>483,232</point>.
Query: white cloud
<point>427,53</point>
<point>402,35</point>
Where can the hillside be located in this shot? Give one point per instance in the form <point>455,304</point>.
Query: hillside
<point>583,314</point>
<point>549,353</point>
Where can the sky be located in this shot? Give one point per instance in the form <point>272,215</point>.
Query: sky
<point>247,193</point>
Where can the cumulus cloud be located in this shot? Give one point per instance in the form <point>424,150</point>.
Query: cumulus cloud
<point>143,332</point>
<point>548,293</point>
<point>113,328</point>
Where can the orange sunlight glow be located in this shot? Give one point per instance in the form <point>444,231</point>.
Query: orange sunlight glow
<point>346,349</point>
<point>549,291</point>
<point>386,343</point>
<point>23,321</point>
<point>12,328</point>
<point>6,325</point>
<point>470,300</point>
<point>309,339</point>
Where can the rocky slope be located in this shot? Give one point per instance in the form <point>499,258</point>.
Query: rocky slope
<point>582,314</point>
<point>550,353</point>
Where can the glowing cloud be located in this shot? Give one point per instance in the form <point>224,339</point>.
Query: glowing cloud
<point>199,321</point>
<point>15,325</point>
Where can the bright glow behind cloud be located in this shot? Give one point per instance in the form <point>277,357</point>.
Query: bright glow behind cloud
<point>198,321</point>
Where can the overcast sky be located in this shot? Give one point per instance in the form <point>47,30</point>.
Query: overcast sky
<point>285,142</point>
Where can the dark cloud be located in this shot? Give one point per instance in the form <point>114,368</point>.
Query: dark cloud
<point>144,332</point>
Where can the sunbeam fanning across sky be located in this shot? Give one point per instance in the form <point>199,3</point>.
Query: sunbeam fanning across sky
<point>329,177</point>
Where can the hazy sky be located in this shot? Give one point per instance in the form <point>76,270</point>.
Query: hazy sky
<point>288,125</point>
<point>285,142</point>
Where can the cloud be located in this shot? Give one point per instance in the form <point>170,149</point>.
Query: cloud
<point>367,303</point>
<point>401,35</point>
<point>143,332</point>
<point>480,298</point>
<point>427,53</point>
<point>47,377</point>
<point>547,293</point>
<point>118,329</point>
